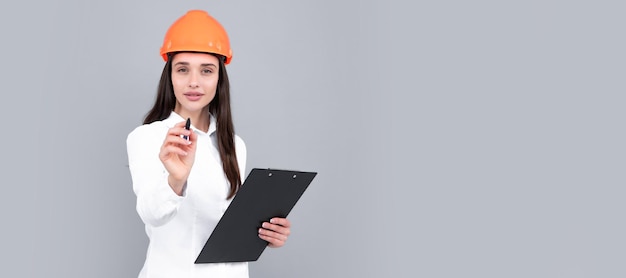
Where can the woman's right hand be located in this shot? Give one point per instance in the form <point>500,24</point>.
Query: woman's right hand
<point>177,155</point>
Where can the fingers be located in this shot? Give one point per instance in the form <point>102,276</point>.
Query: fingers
<point>272,242</point>
<point>276,232</point>
<point>174,136</point>
<point>169,149</point>
<point>277,229</point>
<point>178,155</point>
<point>274,239</point>
<point>281,221</point>
<point>174,144</point>
<point>179,132</point>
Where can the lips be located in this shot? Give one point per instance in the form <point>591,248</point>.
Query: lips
<point>193,96</point>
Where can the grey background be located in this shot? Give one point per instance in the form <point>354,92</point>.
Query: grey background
<point>452,138</point>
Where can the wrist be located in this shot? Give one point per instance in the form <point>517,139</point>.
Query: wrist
<point>176,184</point>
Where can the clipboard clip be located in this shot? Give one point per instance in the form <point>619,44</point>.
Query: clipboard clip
<point>270,174</point>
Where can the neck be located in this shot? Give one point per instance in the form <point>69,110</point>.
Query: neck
<point>199,119</point>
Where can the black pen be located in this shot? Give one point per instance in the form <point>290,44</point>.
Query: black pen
<point>187,126</point>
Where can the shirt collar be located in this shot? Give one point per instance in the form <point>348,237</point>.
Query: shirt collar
<point>174,118</point>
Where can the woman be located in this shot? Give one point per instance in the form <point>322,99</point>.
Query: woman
<point>185,179</point>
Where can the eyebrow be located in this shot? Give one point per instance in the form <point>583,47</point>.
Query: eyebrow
<point>202,65</point>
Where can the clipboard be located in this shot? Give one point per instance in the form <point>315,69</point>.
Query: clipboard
<point>266,193</point>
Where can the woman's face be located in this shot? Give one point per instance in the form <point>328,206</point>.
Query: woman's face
<point>194,79</point>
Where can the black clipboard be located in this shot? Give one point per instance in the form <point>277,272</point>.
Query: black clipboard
<point>266,193</point>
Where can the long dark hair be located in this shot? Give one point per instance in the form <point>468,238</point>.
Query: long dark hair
<point>219,107</point>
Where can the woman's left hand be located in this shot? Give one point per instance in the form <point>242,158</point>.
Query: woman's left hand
<point>275,232</point>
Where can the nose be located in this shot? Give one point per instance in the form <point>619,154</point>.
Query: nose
<point>193,81</point>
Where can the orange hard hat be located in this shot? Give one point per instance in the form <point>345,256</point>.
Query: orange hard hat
<point>197,31</point>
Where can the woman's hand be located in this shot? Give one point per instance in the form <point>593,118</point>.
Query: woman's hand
<point>177,155</point>
<point>275,232</point>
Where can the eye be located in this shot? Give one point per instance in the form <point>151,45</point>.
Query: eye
<point>182,70</point>
<point>207,71</point>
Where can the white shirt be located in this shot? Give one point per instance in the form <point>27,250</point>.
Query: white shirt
<point>178,226</point>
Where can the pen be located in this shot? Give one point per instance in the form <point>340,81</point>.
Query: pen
<point>187,126</point>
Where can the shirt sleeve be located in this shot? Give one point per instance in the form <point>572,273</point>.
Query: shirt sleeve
<point>241,151</point>
<point>157,203</point>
